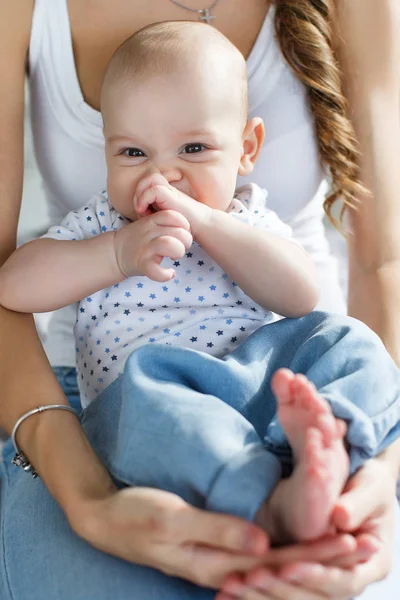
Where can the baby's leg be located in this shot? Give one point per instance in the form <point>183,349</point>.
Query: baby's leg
<point>176,434</point>
<point>300,507</point>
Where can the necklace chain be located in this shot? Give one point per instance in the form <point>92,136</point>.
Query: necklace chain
<point>205,14</point>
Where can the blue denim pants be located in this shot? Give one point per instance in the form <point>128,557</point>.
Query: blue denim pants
<point>206,428</point>
<point>42,558</point>
<point>67,379</point>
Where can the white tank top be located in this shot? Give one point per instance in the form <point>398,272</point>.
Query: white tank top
<point>69,148</point>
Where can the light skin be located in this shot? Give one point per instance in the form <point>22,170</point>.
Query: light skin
<point>172,171</point>
<point>301,506</point>
<point>74,475</point>
<point>346,576</point>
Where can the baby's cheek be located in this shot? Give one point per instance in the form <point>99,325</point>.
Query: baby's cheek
<point>123,202</point>
<point>222,188</point>
<point>219,197</point>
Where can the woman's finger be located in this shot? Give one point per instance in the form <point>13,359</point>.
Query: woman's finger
<point>223,531</point>
<point>357,504</point>
<point>345,517</point>
<point>367,546</point>
<point>204,566</point>
<point>271,586</point>
<point>251,594</point>
<point>343,583</point>
<point>322,551</point>
<point>238,590</point>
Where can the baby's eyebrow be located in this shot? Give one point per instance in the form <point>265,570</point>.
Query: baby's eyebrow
<point>120,137</point>
<point>200,133</point>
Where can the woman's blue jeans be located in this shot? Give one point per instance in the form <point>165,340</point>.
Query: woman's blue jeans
<point>68,381</point>
<point>42,558</point>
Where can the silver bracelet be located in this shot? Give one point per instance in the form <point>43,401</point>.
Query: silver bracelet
<point>20,460</point>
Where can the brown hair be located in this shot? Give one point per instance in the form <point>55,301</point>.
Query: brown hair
<point>304,30</point>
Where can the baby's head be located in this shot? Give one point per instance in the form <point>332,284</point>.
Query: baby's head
<point>174,101</point>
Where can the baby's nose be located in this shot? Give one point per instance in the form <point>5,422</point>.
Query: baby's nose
<point>172,175</point>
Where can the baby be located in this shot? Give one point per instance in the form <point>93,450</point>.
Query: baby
<point>179,278</point>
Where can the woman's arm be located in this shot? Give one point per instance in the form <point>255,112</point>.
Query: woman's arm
<point>20,348</point>
<point>369,51</point>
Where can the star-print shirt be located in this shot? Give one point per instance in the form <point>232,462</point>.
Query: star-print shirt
<point>201,308</point>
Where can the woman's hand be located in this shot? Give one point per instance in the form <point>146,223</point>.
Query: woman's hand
<point>367,509</point>
<point>276,581</point>
<point>158,529</point>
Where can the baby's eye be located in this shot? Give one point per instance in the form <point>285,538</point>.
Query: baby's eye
<point>193,148</point>
<point>133,152</point>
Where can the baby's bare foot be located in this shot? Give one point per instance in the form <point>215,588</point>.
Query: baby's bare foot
<point>303,503</point>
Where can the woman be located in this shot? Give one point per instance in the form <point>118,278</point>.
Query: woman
<point>148,527</point>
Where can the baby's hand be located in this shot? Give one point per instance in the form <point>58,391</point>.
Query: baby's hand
<point>141,246</point>
<point>154,192</point>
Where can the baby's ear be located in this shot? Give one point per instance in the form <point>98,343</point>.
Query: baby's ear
<point>253,138</point>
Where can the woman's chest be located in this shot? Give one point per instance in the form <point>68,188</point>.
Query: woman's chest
<point>99,27</point>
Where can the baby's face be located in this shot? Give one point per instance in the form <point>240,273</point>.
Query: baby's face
<point>179,126</point>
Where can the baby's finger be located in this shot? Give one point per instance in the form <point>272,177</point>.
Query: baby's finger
<point>150,196</point>
<point>182,235</point>
<point>143,206</point>
<point>168,246</point>
<point>170,218</point>
<point>148,182</point>
<point>156,272</point>
<point>159,196</point>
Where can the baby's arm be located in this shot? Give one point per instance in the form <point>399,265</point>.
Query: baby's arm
<point>47,274</point>
<point>274,271</point>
